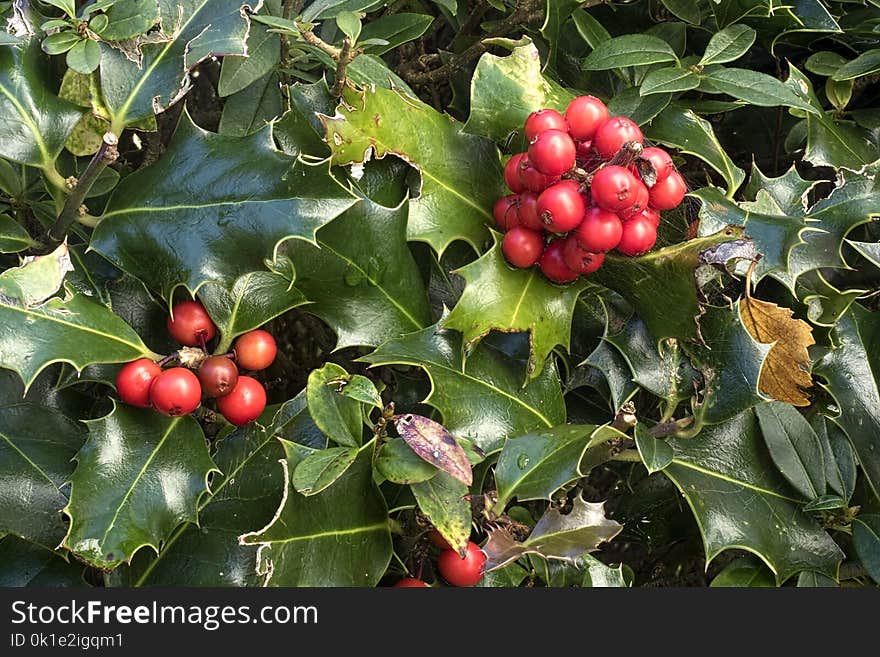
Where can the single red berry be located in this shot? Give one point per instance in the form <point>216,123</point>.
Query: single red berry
<point>660,160</point>
<point>639,236</point>
<point>561,206</point>
<point>552,152</point>
<point>245,403</point>
<point>189,322</point>
<point>613,134</point>
<point>134,380</point>
<point>600,230</point>
<point>511,173</point>
<point>553,265</point>
<point>411,583</point>
<point>522,247</point>
<point>532,179</point>
<point>614,188</point>
<point>218,376</point>
<point>669,192</point>
<point>505,212</point>
<point>462,572</point>
<point>579,259</point>
<point>543,120</point>
<point>652,215</point>
<point>255,350</point>
<point>584,115</point>
<point>639,201</point>
<point>438,540</point>
<point>527,211</point>
<point>176,391</point>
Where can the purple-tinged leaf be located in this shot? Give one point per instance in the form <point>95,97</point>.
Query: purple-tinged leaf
<point>433,443</point>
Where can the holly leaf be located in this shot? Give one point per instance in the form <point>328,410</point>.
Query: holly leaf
<point>614,368</point>
<point>36,123</point>
<point>851,373</point>
<point>586,571</point>
<point>179,222</point>
<point>338,416</point>
<point>153,73</point>
<point>656,454</point>
<point>745,572</point>
<point>263,53</point>
<point>37,279</point>
<point>434,444</point>
<point>339,537</point>
<point>13,238</point>
<point>443,499</point>
<point>788,194</point>
<point>492,382</point>
<point>37,444</point>
<point>740,501</point>
<point>794,447</point>
<point>505,90</point>
<point>139,475</point>
<point>825,303</point>
<point>369,288</point>
<point>461,174</point>
<point>500,297</point>
<point>321,469</point>
<point>23,563</point>
<point>130,19</point>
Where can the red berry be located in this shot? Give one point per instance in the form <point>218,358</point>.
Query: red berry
<point>522,247</point>
<point>553,265</point>
<point>600,230</point>
<point>134,380</point>
<point>584,115</point>
<point>614,188</point>
<point>511,173</point>
<point>255,350</point>
<point>411,583</point>
<point>639,201</point>
<point>652,215</point>
<point>527,211</point>
<point>176,391</point>
<point>218,376</point>
<point>660,160</point>
<point>505,212</point>
<point>580,260</point>
<point>532,179</point>
<point>189,321</point>
<point>613,134</point>
<point>543,120</point>
<point>462,572</point>
<point>669,192</point>
<point>639,236</point>
<point>561,206</point>
<point>552,152</point>
<point>245,403</point>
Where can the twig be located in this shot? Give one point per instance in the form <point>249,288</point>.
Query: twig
<point>345,57</point>
<point>106,154</point>
<point>670,428</point>
<point>289,9</point>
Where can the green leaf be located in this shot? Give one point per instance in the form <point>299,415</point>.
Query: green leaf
<point>84,57</point>
<point>197,29</point>
<point>571,535</point>
<point>741,502</point>
<point>37,279</point>
<point>687,10</point>
<point>591,31</point>
<point>745,572</point>
<point>866,540</point>
<point>87,135</point>
<point>669,80</point>
<point>865,64</point>
<point>67,6</point>
<point>616,371</point>
<point>656,453</point>
<point>13,238</point>
<point>398,463</point>
<point>682,129</point>
<point>37,444</point>
<point>794,447</point>
<point>498,406</point>
<point>662,280</point>
<point>505,90</point>
<point>263,53</point>
<point>36,122</point>
<point>586,571</point>
<point>839,93</point>
<point>851,373</point>
<point>825,303</point>
<point>251,109</point>
<point>556,14</point>
<point>236,212</point>
<point>840,460</point>
<point>361,389</point>
<point>23,563</point>
<point>349,23</point>
<point>130,18</point>
<point>138,476</point>
<point>757,88</point>
<point>337,416</point>
<point>729,44</point>
<point>323,9</point>
<point>461,174</point>
<point>60,42</point>
<point>809,579</point>
<point>629,50</point>
<point>535,465</point>
<point>396,29</point>
<point>502,298</point>
<point>641,109</point>
<point>367,289</point>
<point>321,469</point>
<point>824,63</point>
<point>339,537</point>
<point>443,500</point>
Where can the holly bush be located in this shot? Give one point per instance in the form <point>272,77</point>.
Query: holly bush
<point>707,413</point>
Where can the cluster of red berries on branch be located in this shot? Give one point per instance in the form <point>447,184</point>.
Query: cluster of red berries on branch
<point>586,185</point>
<point>455,570</point>
<point>179,390</point>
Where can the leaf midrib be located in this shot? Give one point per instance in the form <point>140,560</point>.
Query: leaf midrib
<point>325,534</point>
<point>731,480</point>
<point>28,460</point>
<point>38,137</point>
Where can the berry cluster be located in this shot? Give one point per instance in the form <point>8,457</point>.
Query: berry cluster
<point>455,570</point>
<point>585,186</point>
<point>179,391</point>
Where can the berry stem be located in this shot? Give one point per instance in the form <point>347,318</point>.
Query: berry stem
<point>174,355</point>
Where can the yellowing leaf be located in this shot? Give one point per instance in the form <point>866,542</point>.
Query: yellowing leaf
<point>786,370</point>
